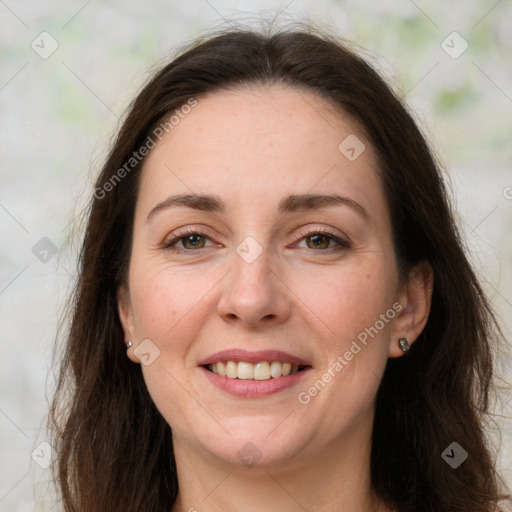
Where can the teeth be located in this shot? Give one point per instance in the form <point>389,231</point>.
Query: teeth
<point>261,371</point>
<point>275,369</point>
<point>245,370</point>
<point>221,368</point>
<point>248,371</point>
<point>231,369</point>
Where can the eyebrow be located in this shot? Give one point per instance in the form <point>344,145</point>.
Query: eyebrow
<point>290,204</point>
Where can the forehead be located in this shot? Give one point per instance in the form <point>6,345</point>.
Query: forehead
<point>257,142</point>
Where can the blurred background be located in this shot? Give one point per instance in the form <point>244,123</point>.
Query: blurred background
<point>68,71</point>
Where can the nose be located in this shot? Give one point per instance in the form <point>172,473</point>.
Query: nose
<point>254,294</point>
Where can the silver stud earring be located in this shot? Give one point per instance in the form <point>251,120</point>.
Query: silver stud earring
<point>128,345</point>
<point>404,344</point>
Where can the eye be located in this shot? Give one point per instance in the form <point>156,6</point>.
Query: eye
<point>321,239</point>
<point>190,240</point>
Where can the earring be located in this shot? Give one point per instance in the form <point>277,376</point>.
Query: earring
<point>404,344</point>
<point>128,345</point>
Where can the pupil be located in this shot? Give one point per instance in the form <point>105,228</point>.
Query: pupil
<point>318,239</point>
<point>194,239</point>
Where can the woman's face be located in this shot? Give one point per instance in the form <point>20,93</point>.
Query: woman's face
<point>286,265</point>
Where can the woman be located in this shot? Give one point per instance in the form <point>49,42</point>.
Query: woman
<point>274,310</point>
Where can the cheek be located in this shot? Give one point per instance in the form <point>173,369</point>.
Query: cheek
<point>344,311</point>
<point>345,302</point>
<point>166,299</point>
<point>170,306</point>
<point>355,312</point>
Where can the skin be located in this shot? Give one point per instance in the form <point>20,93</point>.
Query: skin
<point>251,148</point>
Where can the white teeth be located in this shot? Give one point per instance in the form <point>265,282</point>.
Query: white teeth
<point>245,370</point>
<point>263,370</point>
<point>231,369</point>
<point>221,368</point>
<point>275,369</point>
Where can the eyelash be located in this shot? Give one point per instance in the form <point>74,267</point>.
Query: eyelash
<point>171,244</point>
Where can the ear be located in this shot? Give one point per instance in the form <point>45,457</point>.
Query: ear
<point>126,316</point>
<point>415,297</point>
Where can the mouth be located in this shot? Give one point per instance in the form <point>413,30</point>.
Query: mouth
<point>254,374</point>
<point>263,370</point>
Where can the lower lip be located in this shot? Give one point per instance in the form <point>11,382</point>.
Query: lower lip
<point>249,388</point>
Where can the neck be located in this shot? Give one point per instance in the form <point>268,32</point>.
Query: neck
<point>316,482</point>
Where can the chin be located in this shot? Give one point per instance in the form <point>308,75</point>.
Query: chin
<point>254,446</point>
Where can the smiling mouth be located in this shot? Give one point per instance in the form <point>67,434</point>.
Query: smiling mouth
<point>264,370</point>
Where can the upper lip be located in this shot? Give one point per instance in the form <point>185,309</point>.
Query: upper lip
<point>253,357</point>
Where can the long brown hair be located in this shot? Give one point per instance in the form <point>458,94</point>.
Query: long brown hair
<point>114,447</point>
